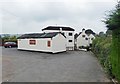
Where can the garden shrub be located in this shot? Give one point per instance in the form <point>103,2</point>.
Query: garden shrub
<point>115,54</point>
<point>102,48</point>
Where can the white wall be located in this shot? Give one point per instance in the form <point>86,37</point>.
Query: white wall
<point>69,44</point>
<point>58,43</point>
<point>41,45</point>
<point>91,36</point>
<point>66,33</point>
<point>81,41</point>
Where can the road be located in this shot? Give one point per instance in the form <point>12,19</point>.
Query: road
<point>70,66</point>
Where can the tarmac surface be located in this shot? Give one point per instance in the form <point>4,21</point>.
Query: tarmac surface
<point>70,66</point>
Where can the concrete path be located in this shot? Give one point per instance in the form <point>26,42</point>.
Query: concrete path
<point>70,66</point>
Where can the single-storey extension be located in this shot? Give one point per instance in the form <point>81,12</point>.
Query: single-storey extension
<point>46,42</point>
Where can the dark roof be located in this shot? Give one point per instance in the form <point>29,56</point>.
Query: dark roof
<point>49,35</point>
<point>89,31</point>
<point>32,35</point>
<point>58,28</point>
<point>39,35</point>
<point>79,34</point>
<point>76,35</point>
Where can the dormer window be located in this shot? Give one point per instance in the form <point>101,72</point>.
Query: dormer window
<point>83,35</point>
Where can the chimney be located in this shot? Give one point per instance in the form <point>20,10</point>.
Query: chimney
<point>60,29</point>
<point>83,30</point>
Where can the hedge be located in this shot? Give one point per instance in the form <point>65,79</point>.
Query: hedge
<point>107,50</point>
<point>101,48</point>
<point>115,54</point>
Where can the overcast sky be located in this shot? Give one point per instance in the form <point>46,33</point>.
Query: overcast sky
<point>24,16</point>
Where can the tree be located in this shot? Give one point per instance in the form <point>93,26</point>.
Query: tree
<point>108,32</point>
<point>13,38</point>
<point>113,20</point>
<point>5,37</point>
<point>113,23</point>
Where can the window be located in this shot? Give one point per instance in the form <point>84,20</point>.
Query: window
<point>86,38</point>
<point>70,40</point>
<point>92,38</point>
<point>32,42</point>
<point>48,43</point>
<point>63,33</point>
<point>90,45</point>
<point>70,34</point>
<point>83,35</point>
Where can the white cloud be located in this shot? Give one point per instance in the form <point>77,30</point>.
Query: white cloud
<point>21,16</point>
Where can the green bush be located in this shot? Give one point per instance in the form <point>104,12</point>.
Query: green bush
<point>101,48</point>
<point>113,23</point>
<point>9,39</point>
<point>107,50</point>
<point>115,54</point>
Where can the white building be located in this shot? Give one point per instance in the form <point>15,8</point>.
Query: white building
<point>84,40</point>
<point>68,32</point>
<point>45,42</point>
<point>91,38</point>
